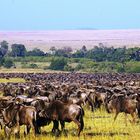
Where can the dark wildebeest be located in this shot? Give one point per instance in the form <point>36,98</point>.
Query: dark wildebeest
<point>16,115</point>
<point>59,111</point>
<point>120,103</point>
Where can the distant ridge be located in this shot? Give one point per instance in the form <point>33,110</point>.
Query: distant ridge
<point>86,28</point>
<point>74,38</point>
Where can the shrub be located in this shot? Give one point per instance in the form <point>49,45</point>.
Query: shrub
<point>134,69</point>
<point>58,64</point>
<point>33,66</point>
<point>120,69</point>
<point>79,67</point>
<point>8,63</point>
<point>68,68</point>
<point>45,68</point>
<point>1,61</point>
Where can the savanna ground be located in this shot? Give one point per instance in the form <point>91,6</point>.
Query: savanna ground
<point>41,64</point>
<point>99,125</point>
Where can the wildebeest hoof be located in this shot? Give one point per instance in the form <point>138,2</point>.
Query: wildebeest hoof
<point>65,132</point>
<point>53,130</point>
<point>74,133</point>
<point>57,132</point>
<point>17,135</point>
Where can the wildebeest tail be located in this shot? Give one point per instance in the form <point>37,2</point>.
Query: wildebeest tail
<point>138,109</point>
<point>82,113</point>
<point>34,117</point>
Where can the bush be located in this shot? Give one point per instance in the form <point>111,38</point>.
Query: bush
<point>68,68</point>
<point>134,69</point>
<point>79,67</point>
<point>33,66</point>
<point>35,52</point>
<point>120,69</point>
<point>45,68</point>
<point>1,61</point>
<point>58,64</point>
<point>8,63</point>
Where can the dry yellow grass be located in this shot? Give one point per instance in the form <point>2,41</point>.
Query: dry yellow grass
<point>98,126</point>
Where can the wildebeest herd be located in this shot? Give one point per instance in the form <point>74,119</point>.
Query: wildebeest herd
<point>62,97</point>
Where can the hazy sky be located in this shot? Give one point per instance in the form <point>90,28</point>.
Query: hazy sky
<point>69,14</point>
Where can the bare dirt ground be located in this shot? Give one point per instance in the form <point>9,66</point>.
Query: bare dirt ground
<point>73,38</point>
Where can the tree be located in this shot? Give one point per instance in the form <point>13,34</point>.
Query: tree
<point>18,50</point>
<point>35,52</point>
<point>65,52</point>
<point>3,48</point>
<point>53,50</point>
<point>84,49</point>
<point>80,53</point>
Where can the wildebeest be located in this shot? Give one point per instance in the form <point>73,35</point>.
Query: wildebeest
<point>59,111</point>
<point>121,103</point>
<point>16,115</point>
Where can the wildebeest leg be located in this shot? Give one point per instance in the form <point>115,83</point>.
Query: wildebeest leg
<point>81,123</point>
<point>37,130</point>
<point>33,127</point>
<point>116,116</point>
<point>7,131</point>
<point>27,130</point>
<point>125,119</point>
<point>55,126</point>
<point>133,117</point>
<point>79,126</point>
<point>138,112</point>
<point>90,104</point>
<point>17,130</point>
<point>62,125</point>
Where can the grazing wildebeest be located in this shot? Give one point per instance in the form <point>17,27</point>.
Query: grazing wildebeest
<point>59,111</point>
<point>16,115</point>
<point>120,103</point>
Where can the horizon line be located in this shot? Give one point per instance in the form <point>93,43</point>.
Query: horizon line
<point>80,29</point>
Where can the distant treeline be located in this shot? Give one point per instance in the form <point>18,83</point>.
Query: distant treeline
<point>100,53</point>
